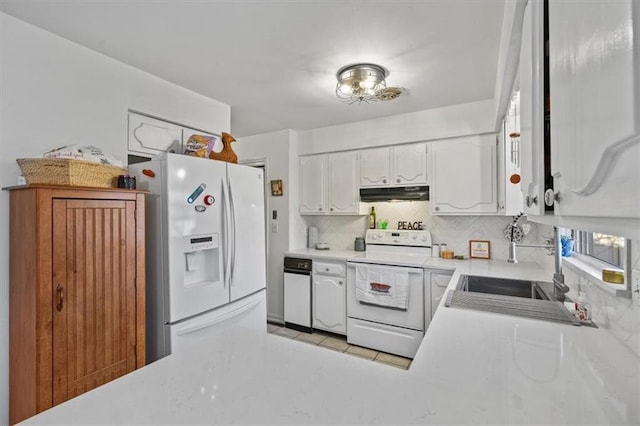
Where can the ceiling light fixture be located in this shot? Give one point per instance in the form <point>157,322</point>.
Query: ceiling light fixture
<point>364,82</point>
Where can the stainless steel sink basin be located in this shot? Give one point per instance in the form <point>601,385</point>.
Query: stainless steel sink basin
<point>529,299</point>
<point>503,287</point>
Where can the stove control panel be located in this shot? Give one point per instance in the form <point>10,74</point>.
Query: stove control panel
<point>398,237</point>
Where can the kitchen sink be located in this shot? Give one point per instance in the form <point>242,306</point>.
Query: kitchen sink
<point>504,287</point>
<point>522,298</point>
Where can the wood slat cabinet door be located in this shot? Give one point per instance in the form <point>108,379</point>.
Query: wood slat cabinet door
<point>77,292</point>
<point>94,310</point>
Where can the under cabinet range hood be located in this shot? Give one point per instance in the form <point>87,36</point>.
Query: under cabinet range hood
<point>402,193</point>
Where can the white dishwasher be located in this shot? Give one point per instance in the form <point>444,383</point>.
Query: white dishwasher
<point>297,294</point>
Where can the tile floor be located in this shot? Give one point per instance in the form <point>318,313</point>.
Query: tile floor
<point>339,343</point>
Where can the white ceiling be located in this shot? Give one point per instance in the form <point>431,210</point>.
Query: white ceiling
<point>274,61</point>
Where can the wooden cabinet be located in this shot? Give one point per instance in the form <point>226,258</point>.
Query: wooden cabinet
<point>464,176</point>
<point>328,183</point>
<point>401,165</point>
<point>76,292</point>
<point>329,296</point>
<point>149,136</point>
<point>595,109</point>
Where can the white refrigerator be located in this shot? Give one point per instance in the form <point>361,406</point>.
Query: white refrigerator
<point>206,267</point>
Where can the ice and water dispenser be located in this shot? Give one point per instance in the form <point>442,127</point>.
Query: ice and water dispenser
<point>202,259</point>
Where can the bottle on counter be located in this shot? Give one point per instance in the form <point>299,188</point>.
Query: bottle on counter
<point>372,218</point>
<point>443,248</point>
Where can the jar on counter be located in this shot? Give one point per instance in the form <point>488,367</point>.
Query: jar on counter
<point>435,250</point>
<point>358,244</point>
<point>443,248</point>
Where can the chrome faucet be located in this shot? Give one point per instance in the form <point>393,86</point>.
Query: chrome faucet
<point>559,287</point>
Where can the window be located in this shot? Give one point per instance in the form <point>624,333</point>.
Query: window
<point>607,248</point>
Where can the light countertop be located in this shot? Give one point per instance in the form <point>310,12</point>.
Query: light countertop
<point>472,368</point>
<point>330,254</point>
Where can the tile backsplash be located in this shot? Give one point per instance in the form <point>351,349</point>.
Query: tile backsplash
<point>455,231</point>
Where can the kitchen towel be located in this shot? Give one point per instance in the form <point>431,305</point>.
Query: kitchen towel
<point>382,286</point>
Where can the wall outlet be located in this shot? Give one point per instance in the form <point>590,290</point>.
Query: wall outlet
<point>274,227</point>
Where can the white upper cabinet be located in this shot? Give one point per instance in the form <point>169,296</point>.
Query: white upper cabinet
<point>464,174</point>
<point>329,184</point>
<point>400,165</point>
<point>595,107</point>
<point>375,167</point>
<point>410,164</point>
<point>313,184</point>
<point>150,136</point>
<point>531,72</point>
<point>343,193</point>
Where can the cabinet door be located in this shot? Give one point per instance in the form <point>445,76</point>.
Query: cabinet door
<point>532,108</point>
<point>595,107</point>
<point>375,167</point>
<point>329,304</point>
<point>410,164</point>
<point>439,283</point>
<point>313,184</point>
<point>150,136</point>
<point>343,183</point>
<point>464,176</point>
<point>94,298</point>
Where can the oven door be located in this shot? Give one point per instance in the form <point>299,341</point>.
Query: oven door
<point>412,317</point>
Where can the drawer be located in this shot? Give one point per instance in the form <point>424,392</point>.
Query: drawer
<point>330,268</point>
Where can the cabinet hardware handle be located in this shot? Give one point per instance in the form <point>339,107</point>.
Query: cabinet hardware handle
<point>437,209</point>
<point>384,181</point>
<point>551,197</point>
<point>60,303</point>
<point>331,209</point>
<point>398,180</point>
<point>531,201</point>
<point>340,282</point>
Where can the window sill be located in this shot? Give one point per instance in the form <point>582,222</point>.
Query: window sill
<point>591,269</point>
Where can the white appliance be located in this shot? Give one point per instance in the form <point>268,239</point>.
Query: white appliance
<point>390,329</point>
<point>205,249</point>
<point>297,294</point>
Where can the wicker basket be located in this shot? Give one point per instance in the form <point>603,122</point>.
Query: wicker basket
<point>62,171</point>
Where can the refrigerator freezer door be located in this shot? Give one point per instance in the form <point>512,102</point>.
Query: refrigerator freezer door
<point>249,312</point>
<point>196,235</point>
<point>247,229</point>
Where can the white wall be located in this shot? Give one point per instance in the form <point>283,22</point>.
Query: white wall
<point>275,149</point>
<point>439,123</point>
<point>54,92</point>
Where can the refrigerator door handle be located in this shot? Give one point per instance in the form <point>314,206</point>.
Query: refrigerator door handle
<point>226,236</point>
<point>199,325</point>
<point>233,232</point>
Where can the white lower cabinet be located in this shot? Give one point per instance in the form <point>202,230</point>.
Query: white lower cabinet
<point>464,179</point>
<point>329,296</point>
<point>439,282</point>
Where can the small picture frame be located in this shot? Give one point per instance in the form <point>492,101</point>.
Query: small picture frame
<point>276,188</point>
<point>479,249</point>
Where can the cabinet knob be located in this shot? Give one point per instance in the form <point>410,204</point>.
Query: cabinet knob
<point>331,209</point>
<point>319,209</point>
<point>326,269</point>
<point>437,208</point>
<point>340,282</point>
<point>551,197</point>
<point>398,180</point>
<point>384,181</point>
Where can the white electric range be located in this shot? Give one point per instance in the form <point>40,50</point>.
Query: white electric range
<point>386,291</point>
